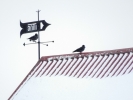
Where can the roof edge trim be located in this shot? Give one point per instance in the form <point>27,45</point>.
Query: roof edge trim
<point>86,54</point>
<point>24,79</point>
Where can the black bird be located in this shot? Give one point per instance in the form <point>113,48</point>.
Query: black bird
<point>33,38</point>
<point>81,49</point>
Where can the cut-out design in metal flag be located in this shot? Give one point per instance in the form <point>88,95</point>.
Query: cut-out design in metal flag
<point>33,26</point>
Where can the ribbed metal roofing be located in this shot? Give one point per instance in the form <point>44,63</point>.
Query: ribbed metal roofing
<point>90,64</point>
<point>98,64</point>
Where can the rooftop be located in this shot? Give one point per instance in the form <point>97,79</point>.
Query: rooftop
<point>99,64</point>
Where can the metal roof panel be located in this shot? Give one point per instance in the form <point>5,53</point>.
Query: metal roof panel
<point>99,64</point>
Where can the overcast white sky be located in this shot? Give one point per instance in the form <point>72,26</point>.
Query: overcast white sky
<point>98,24</point>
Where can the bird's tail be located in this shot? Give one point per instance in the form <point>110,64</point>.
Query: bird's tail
<point>28,39</point>
<point>73,51</point>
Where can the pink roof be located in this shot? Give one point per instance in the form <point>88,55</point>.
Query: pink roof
<point>98,64</point>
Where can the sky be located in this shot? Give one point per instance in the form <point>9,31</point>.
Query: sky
<point>98,24</point>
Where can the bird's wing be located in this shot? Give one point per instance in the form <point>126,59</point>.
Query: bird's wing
<point>33,37</point>
<point>77,49</point>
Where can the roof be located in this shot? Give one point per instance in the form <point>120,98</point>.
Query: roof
<point>99,64</point>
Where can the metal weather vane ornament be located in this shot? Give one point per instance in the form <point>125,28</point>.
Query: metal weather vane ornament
<point>34,26</point>
<point>33,38</point>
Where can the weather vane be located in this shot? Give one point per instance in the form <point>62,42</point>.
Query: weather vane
<point>34,27</point>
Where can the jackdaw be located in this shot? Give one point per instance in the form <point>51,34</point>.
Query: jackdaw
<point>81,49</point>
<point>33,38</point>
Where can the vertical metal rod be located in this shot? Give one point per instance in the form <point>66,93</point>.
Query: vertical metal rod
<point>38,39</point>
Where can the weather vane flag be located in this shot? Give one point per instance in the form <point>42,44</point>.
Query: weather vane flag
<point>35,26</point>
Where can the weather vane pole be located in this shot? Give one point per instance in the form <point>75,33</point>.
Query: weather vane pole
<point>35,26</point>
<point>38,38</point>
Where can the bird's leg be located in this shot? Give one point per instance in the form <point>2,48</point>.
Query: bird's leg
<point>80,53</point>
<point>34,41</point>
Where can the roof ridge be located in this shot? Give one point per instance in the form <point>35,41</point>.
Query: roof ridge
<point>95,53</point>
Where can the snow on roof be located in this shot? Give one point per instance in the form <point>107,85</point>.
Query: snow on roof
<point>98,64</point>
